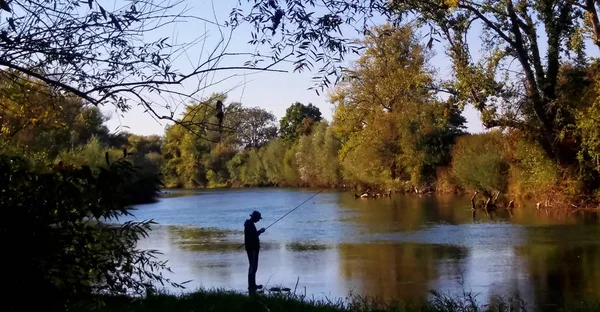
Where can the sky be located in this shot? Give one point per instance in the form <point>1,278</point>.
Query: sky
<point>271,91</point>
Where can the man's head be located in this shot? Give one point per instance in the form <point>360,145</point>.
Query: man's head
<point>255,216</point>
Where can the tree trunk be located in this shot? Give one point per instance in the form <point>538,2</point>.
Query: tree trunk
<point>591,8</point>
<point>473,207</point>
<point>496,198</point>
<point>511,205</point>
<point>487,203</point>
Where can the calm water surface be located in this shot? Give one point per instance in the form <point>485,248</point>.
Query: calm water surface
<point>399,248</point>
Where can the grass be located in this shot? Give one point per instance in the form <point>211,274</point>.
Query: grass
<point>222,300</point>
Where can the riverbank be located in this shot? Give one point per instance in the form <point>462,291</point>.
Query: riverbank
<point>222,300</point>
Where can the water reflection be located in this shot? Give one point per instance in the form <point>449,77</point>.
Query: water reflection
<point>563,263</point>
<point>398,248</point>
<point>213,240</point>
<point>391,271</point>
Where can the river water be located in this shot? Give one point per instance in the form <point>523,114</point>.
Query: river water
<point>398,248</point>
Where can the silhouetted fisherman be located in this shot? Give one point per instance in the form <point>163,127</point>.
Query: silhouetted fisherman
<point>252,244</point>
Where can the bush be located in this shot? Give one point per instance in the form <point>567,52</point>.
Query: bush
<point>90,154</point>
<point>56,230</point>
<point>532,172</point>
<point>478,164</point>
<point>94,154</point>
<point>444,181</point>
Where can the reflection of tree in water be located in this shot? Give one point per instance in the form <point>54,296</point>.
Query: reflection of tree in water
<point>205,239</point>
<point>562,272</point>
<point>381,215</point>
<point>407,213</point>
<point>395,271</point>
<point>209,240</point>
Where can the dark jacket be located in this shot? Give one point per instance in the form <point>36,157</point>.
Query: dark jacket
<point>251,236</point>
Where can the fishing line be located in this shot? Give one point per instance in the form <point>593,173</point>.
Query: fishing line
<point>304,202</point>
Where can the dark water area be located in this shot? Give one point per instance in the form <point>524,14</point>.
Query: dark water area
<point>391,249</point>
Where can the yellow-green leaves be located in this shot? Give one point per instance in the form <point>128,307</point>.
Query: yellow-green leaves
<point>391,126</point>
<point>452,3</point>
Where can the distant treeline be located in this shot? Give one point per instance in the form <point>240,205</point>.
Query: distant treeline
<point>390,130</point>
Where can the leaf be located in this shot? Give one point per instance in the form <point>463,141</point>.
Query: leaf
<point>116,22</point>
<point>4,6</point>
<point>430,43</point>
<point>101,11</point>
<point>11,22</point>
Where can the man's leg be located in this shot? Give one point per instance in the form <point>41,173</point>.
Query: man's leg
<point>251,270</point>
<point>256,268</point>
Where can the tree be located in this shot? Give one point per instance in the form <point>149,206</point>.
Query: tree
<point>391,125</point>
<point>317,157</point>
<point>73,252</point>
<point>256,128</point>
<point>525,100</point>
<point>144,144</point>
<point>309,32</point>
<point>183,152</point>
<point>34,119</point>
<point>297,120</point>
<point>194,144</point>
<point>513,83</point>
<point>106,54</point>
<point>89,123</point>
<point>478,163</point>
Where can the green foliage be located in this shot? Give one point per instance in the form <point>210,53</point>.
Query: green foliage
<point>290,166</point>
<point>297,120</point>
<point>317,157</point>
<point>91,154</point>
<point>199,156</point>
<point>64,218</point>
<point>524,65</point>
<point>183,152</point>
<point>218,174</point>
<point>33,119</point>
<point>477,163</point>
<point>144,144</point>
<point>531,170</point>
<point>246,168</point>
<point>274,154</point>
<point>94,154</point>
<point>256,127</point>
<point>398,130</point>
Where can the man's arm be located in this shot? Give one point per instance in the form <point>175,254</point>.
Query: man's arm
<point>251,230</point>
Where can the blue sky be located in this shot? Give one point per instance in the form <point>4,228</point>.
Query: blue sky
<point>271,91</point>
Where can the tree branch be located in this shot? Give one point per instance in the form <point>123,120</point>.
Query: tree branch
<point>489,23</point>
<point>591,8</point>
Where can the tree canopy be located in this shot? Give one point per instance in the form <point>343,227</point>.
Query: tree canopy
<point>298,119</point>
<point>391,125</point>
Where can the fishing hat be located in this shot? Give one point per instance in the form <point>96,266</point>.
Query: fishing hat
<point>256,214</point>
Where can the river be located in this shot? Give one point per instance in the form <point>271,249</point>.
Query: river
<point>398,248</point>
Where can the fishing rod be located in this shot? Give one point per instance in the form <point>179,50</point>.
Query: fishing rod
<point>304,202</point>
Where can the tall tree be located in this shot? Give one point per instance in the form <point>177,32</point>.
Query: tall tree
<point>34,118</point>
<point>298,119</point>
<point>195,144</point>
<point>513,83</point>
<point>390,122</point>
<point>524,95</point>
<point>256,127</point>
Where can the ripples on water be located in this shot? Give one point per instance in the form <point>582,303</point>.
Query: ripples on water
<point>397,248</point>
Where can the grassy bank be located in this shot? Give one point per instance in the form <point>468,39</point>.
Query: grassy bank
<point>221,300</point>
